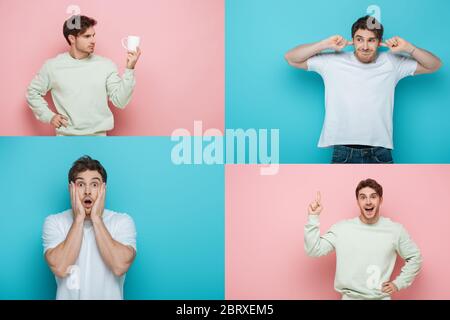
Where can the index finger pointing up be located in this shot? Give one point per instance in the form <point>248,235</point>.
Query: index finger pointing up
<point>318,197</point>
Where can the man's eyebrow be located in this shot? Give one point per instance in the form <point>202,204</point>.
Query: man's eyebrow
<point>358,36</point>
<point>79,179</point>
<point>96,178</point>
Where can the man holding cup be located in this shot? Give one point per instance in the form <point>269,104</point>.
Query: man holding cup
<point>81,84</point>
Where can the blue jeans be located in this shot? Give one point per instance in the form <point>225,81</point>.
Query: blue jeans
<point>344,154</point>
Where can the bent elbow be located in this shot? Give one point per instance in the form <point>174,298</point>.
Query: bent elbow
<point>310,252</point>
<point>119,271</point>
<point>60,273</point>
<point>289,59</point>
<point>436,67</point>
<point>286,57</point>
<point>439,65</point>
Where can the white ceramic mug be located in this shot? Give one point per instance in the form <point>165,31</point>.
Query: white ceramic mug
<point>131,43</point>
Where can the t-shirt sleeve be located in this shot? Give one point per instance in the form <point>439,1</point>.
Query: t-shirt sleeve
<point>404,66</point>
<point>52,234</point>
<point>318,62</point>
<point>125,232</point>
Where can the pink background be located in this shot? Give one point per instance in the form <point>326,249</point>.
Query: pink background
<point>265,216</point>
<point>180,75</point>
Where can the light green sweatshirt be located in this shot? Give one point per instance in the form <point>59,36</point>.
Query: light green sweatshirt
<point>365,255</point>
<point>80,91</point>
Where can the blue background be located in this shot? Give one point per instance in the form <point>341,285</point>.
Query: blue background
<point>263,91</point>
<point>178,212</point>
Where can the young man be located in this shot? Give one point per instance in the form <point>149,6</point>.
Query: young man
<point>366,248</point>
<point>81,83</point>
<point>359,88</point>
<point>89,248</point>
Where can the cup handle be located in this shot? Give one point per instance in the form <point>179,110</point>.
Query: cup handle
<point>123,43</point>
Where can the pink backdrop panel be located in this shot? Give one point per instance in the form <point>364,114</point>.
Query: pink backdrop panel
<point>265,216</point>
<point>180,75</point>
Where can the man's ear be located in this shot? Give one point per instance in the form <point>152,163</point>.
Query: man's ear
<point>72,38</point>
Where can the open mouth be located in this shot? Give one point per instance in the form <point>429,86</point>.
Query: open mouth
<point>370,210</point>
<point>87,202</point>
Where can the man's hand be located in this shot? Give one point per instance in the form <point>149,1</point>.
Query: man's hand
<point>315,207</point>
<point>59,120</point>
<point>99,204</point>
<point>397,44</point>
<point>336,42</point>
<point>77,207</point>
<point>133,57</point>
<point>389,288</point>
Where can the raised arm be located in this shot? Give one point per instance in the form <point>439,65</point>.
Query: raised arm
<point>315,245</point>
<point>299,56</point>
<point>426,61</point>
<point>117,256</point>
<point>66,253</point>
<point>120,89</point>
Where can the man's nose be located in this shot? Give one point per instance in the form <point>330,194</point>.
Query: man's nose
<point>87,190</point>
<point>365,46</point>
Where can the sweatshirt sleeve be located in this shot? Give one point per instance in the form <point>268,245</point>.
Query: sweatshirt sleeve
<point>315,244</point>
<point>36,91</point>
<point>119,89</point>
<point>409,251</point>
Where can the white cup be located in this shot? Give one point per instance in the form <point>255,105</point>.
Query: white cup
<point>131,43</point>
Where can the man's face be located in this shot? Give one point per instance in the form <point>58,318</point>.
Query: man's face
<point>88,185</point>
<point>366,45</point>
<point>369,203</point>
<point>85,42</point>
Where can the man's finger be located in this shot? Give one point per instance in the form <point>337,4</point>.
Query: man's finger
<point>71,193</point>
<point>75,197</point>
<point>383,44</point>
<point>318,197</point>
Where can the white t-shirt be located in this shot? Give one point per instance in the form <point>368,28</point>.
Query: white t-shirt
<point>90,277</point>
<point>359,97</point>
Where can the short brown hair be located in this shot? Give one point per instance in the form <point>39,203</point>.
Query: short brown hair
<point>365,23</point>
<point>371,184</point>
<point>77,25</point>
<point>86,163</point>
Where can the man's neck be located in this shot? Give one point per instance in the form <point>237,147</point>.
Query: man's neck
<point>369,222</point>
<point>76,54</point>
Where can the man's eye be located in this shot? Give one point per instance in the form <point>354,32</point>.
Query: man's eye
<point>95,185</point>
<point>80,184</point>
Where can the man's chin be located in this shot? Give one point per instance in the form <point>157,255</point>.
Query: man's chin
<point>365,59</point>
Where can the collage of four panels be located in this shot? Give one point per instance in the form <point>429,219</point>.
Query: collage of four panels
<point>225,149</point>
